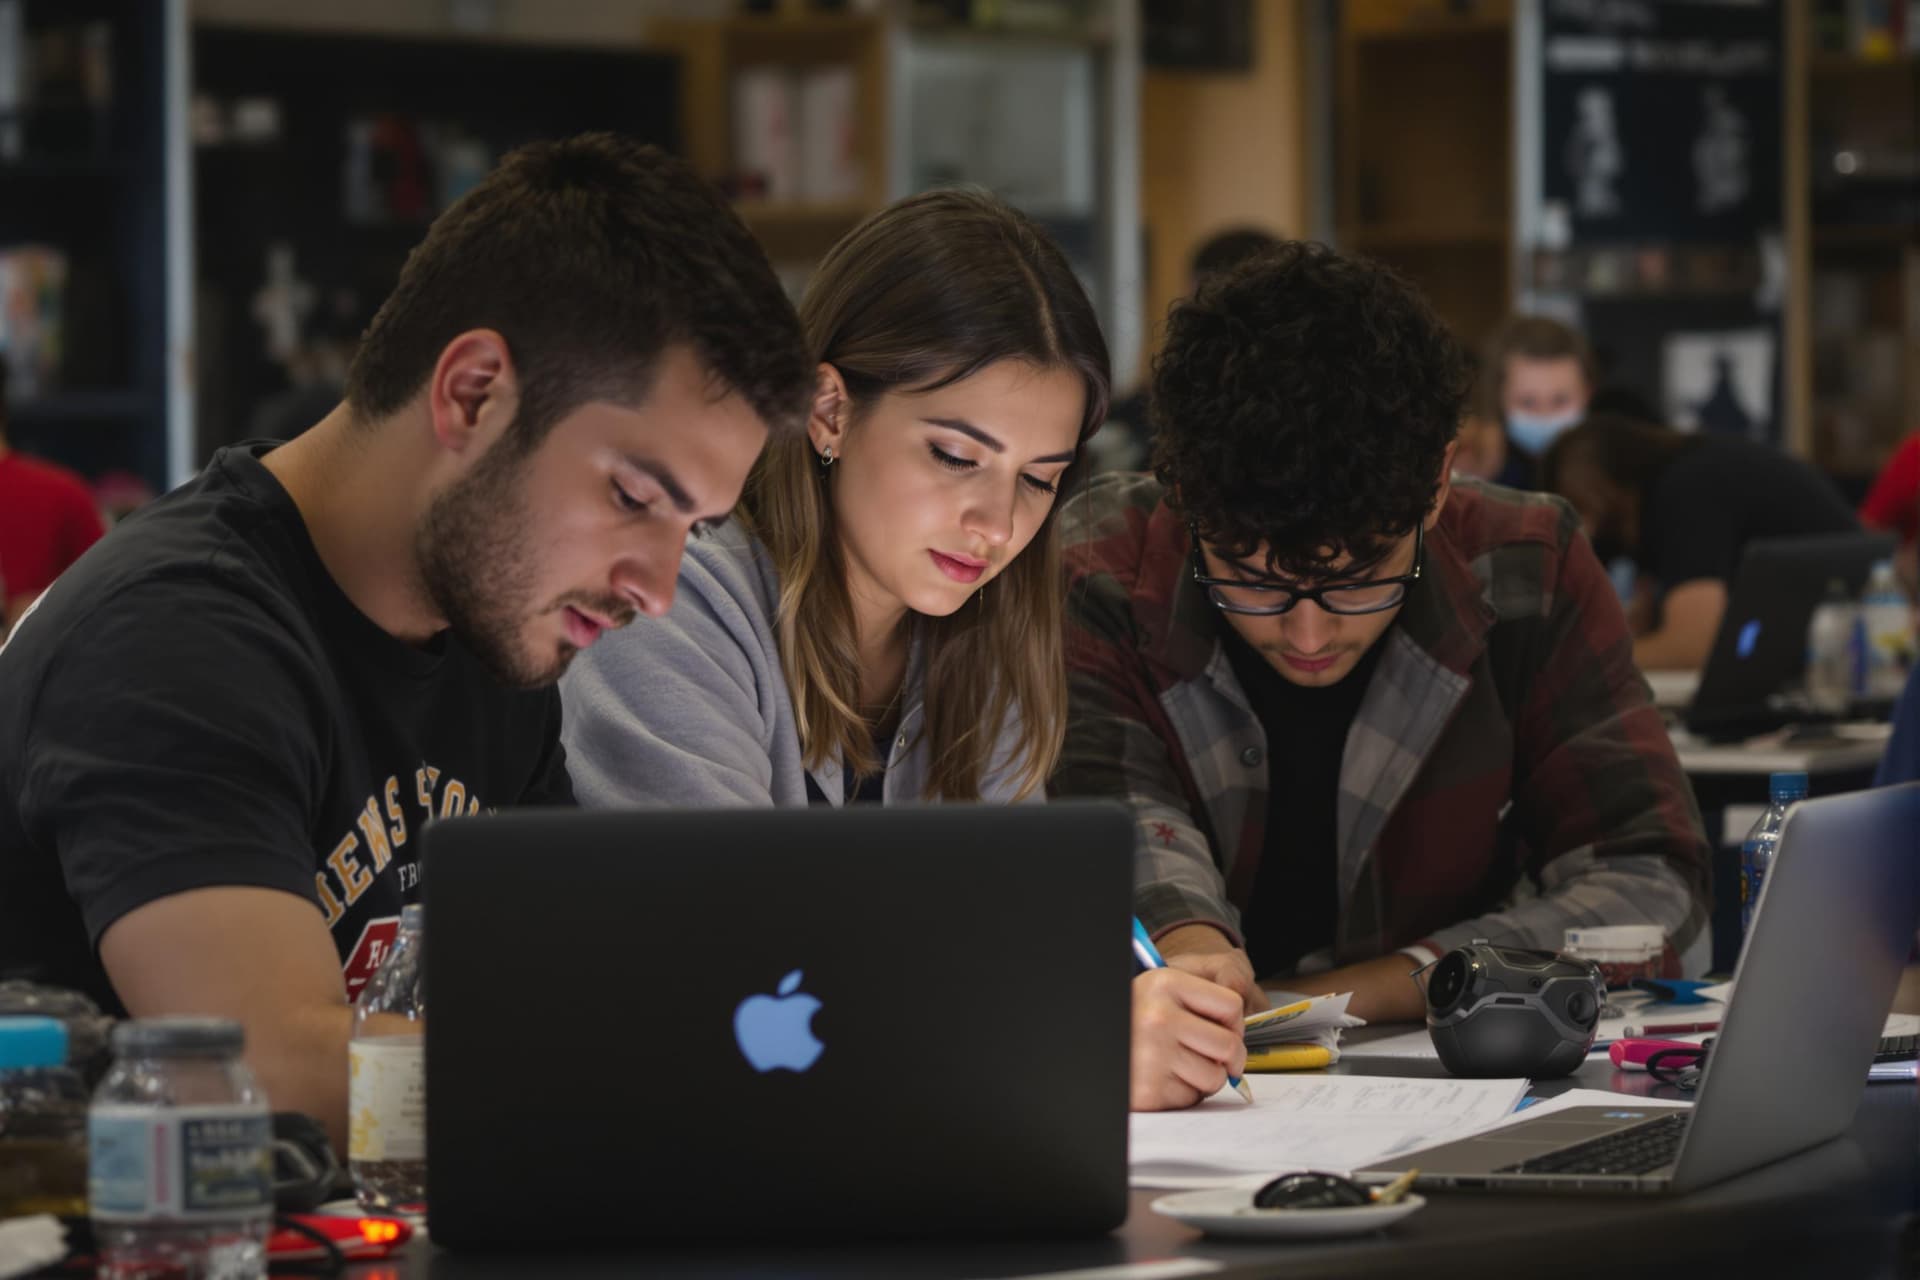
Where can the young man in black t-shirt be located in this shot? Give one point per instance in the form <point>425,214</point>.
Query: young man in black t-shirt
<point>222,731</point>
<point>1684,507</point>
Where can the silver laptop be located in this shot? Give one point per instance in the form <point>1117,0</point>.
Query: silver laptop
<point>1816,977</point>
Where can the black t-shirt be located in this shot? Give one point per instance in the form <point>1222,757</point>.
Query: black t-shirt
<point>1721,493</point>
<point>197,703</point>
<point>1295,904</point>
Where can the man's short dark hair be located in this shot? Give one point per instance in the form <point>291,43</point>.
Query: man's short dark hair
<point>1305,401</point>
<point>590,256</point>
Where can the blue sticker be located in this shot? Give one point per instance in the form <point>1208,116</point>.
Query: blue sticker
<point>1749,637</point>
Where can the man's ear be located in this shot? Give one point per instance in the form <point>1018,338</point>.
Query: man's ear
<point>1446,482</point>
<point>827,421</point>
<point>474,392</point>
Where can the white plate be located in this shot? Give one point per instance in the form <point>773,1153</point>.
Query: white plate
<point>1229,1211</point>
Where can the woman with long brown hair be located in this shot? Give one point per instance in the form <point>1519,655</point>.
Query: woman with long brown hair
<point>882,620</point>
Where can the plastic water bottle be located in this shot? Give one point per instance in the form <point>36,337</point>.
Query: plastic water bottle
<point>43,1121</point>
<point>1756,851</point>
<point>387,1084</point>
<point>1886,620</point>
<point>1834,651</point>
<point>180,1150</point>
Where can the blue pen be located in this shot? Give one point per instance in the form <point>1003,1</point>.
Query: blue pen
<point>1149,957</point>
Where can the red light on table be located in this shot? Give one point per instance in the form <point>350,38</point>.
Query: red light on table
<point>357,1239</point>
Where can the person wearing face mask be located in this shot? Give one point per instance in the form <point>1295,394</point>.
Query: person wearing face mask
<point>1356,706</point>
<point>1537,377</point>
<point>1682,508</point>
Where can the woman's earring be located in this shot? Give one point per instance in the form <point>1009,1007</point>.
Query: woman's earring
<point>826,457</point>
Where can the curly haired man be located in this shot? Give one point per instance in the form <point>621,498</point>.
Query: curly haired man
<point>1362,711</point>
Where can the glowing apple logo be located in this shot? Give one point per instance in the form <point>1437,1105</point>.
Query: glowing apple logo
<point>774,1031</point>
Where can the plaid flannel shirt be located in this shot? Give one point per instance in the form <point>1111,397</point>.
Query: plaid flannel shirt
<point>1506,774</point>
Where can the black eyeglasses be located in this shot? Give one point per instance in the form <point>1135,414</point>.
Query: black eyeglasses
<point>1238,595</point>
<point>1311,1191</point>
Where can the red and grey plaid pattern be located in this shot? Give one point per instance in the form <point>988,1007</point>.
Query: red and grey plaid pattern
<point>1505,777</point>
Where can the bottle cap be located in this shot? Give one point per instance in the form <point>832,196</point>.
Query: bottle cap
<point>32,1042</point>
<point>1788,786</point>
<point>413,916</point>
<point>189,1036</point>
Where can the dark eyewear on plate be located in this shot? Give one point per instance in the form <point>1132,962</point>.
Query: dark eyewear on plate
<point>1243,595</point>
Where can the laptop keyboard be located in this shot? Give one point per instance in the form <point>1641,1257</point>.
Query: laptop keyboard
<point>1897,1048</point>
<point>1641,1149</point>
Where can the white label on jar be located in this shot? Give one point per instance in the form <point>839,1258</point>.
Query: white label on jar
<point>387,1098</point>
<point>191,1163</point>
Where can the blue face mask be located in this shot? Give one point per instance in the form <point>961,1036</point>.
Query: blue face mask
<point>1534,434</point>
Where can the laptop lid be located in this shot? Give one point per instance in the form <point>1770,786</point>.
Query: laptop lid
<point>777,1023</point>
<point>1762,642</point>
<point>1817,973</point>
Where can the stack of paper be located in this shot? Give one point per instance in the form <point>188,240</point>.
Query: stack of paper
<point>1326,1122</point>
<point>1299,1036</point>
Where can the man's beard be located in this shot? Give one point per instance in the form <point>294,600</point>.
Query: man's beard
<point>470,554</point>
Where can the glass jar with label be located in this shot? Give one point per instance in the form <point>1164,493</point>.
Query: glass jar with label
<point>180,1177</point>
<point>387,1087</point>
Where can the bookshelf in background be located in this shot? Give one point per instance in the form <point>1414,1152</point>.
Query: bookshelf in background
<point>319,161</point>
<point>83,184</point>
<point>1423,149</point>
<point>1856,238</point>
<point>787,111</point>
<point>815,115</point>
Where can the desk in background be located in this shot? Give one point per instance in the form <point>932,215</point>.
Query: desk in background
<point>1844,1209</point>
<point>1729,783</point>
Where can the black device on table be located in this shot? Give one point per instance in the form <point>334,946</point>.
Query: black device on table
<point>1510,1011</point>
<point>777,1024</point>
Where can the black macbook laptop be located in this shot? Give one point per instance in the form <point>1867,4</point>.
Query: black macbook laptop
<point>1816,977</point>
<point>1762,643</point>
<point>777,1023</point>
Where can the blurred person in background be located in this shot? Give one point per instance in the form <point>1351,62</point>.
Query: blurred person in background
<point>1683,508</point>
<point>1535,381</point>
<point>47,518</point>
<point>1893,506</point>
<point>1123,446</point>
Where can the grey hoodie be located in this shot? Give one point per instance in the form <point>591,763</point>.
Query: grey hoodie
<point>692,709</point>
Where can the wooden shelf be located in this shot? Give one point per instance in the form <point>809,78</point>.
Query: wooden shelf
<point>41,168</point>
<point>798,40</point>
<point>1384,20</point>
<point>766,214</point>
<point>1892,235</point>
<point>1414,235</point>
<point>800,25</point>
<point>1829,65</point>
